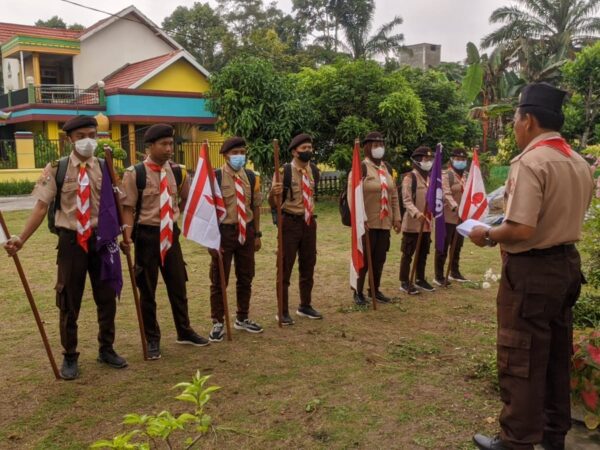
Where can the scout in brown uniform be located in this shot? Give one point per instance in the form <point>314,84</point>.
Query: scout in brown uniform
<point>76,256</point>
<point>299,225</point>
<point>382,210</point>
<point>548,191</point>
<point>453,184</point>
<point>154,209</point>
<point>414,216</point>
<point>240,237</point>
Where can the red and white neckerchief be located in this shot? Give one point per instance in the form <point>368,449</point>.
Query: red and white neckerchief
<point>84,227</point>
<point>240,197</point>
<point>307,197</point>
<point>558,143</point>
<point>384,210</point>
<point>166,211</point>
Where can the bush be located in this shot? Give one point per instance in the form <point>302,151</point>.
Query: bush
<point>585,374</point>
<point>586,312</point>
<point>23,187</point>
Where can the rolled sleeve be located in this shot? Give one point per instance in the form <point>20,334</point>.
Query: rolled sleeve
<point>45,187</point>
<point>526,197</point>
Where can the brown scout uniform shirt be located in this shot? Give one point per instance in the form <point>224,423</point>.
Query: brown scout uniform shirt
<point>452,194</point>
<point>150,213</point>
<point>228,191</point>
<point>372,197</point>
<point>295,206</point>
<point>410,223</point>
<point>549,191</point>
<point>45,191</point>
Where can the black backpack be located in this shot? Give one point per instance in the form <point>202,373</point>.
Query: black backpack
<point>61,173</point>
<point>251,178</point>
<point>344,206</point>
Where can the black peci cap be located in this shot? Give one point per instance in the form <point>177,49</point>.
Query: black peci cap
<point>158,131</point>
<point>542,95</point>
<point>231,143</point>
<point>79,122</point>
<point>299,140</point>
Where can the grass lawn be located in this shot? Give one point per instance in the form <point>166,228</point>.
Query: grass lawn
<point>414,374</point>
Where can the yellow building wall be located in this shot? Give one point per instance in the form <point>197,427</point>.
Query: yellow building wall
<point>212,136</point>
<point>179,76</point>
<point>52,130</point>
<point>8,175</point>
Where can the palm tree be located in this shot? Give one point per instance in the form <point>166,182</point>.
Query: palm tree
<point>561,25</point>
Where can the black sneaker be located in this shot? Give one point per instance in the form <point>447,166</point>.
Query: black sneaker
<point>441,282</point>
<point>458,278</point>
<point>308,311</point>
<point>110,358</point>
<point>382,298</point>
<point>408,288</point>
<point>286,320</point>
<point>217,333</point>
<point>193,339</point>
<point>424,285</point>
<point>247,325</point>
<point>153,348</point>
<point>359,299</point>
<point>69,369</point>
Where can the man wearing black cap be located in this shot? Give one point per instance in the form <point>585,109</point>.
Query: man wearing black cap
<point>152,190</point>
<point>79,176</point>
<point>299,226</point>
<point>240,237</point>
<point>453,184</point>
<point>382,210</point>
<point>548,191</point>
<point>415,221</point>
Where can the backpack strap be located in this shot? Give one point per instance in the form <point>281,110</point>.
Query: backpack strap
<point>252,179</point>
<point>179,175</point>
<point>61,173</point>
<point>413,187</point>
<point>287,182</point>
<point>219,177</point>
<point>140,183</point>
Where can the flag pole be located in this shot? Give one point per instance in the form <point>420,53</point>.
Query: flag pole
<point>108,157</point>
<point>451,256</point>
<point>32,304</point>
<point>413,272</point>
<point>279,238</point>
<point>221,267</point>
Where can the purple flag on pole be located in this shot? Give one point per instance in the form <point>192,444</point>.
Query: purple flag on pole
<point>435,199</point>
<point>106,236</point>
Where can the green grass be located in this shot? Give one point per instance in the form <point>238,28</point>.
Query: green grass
<point>399,377</point>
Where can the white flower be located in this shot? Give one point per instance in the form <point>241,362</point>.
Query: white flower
<point>495,278</point>
<point>486,285</point>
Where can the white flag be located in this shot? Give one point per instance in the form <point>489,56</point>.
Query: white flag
<point>3,237</point>
<point>474,204</point>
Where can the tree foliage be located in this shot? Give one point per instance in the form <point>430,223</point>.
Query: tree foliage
<point>57,22</point>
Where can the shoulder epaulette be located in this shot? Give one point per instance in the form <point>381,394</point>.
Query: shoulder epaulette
<point>54,163</point>
<point>130,169</point>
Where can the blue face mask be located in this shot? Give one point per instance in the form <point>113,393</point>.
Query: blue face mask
<point>459,165</point>
<point>237,161</point>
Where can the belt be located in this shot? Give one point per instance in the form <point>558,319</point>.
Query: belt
<point>562,249</point>
<point>154,228</point>
<point>296,216</point>
<point>72,232</point>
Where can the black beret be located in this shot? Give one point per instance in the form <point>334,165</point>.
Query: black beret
<point>79,122</point>
<point>542,95</point>
<point>299,140</point>
<point>459,153</point>
<point>158,131</point>
<point>422,151</point>
<point>374,136</point>
<point>232,142</point>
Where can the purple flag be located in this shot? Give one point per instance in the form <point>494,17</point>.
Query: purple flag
<point>106,235</point>
<point>435,199</point>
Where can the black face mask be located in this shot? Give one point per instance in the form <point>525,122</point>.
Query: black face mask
<point>305,156</point>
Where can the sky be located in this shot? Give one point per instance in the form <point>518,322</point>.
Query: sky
<point>451,23</point>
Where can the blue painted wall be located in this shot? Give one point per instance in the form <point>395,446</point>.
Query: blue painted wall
<point>143,105</point>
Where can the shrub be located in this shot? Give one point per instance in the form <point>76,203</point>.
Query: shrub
<point>585,374</point>
<point>22,187</point>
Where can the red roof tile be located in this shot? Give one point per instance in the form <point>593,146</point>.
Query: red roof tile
<point>130,73</point>
<point>9,30</point>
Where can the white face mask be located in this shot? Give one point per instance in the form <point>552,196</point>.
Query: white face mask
<point>426,166</point>
<point>85,147</point>
<point>378,152</point>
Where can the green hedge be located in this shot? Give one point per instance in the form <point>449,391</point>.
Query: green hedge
<point>497,177</point>
<point>9,188</point>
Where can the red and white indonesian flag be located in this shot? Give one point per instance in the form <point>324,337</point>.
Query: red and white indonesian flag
<point>474,204</point>
<point>358,216</point>
<point>204,211</point>
<point>3,236</point>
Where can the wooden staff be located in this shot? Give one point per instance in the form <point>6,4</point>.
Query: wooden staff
<point>279,238</point>
<point>108,157</point>
<point>222,279</point>
<point>451,256</point>
<point>370,267</point>
<point>413,272</point>
<point>34,309</point>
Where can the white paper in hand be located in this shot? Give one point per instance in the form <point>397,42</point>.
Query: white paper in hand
<point>467,226</point>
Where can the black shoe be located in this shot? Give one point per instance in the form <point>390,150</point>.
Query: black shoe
<point>424,285</point>
<point>457,276</point>
<point>359,299</point>
<point>193,339</point>
<point>308,311</point>
<point>153,350</point>
<point>486,443</point>
<point>247,325</point>
<point>69,369</point>
<point>441,282</point>
<point>382,298</point>
<point>408,288</point>
<point>111,358</point>
<point>286,320</point>
<point>217,333</point>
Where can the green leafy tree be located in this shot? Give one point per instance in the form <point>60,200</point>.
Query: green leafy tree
<point>57,22</point>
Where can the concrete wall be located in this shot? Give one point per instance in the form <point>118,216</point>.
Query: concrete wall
<point>109,49</point>
<point>421,56</point>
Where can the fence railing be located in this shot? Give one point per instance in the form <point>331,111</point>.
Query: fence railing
<point>65,94</point>
<point>13,98</point>
<point>8,154</point>
<point>47,150</point>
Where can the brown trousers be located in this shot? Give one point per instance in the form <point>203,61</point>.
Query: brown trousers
<point>243,257</point>
<point>300,239</point>
<point>380,244</point>
<point>440,258</point>
<point>535,298</point>
<point>409,248</point>
<point>73,265</point>
<point>147,265</point>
